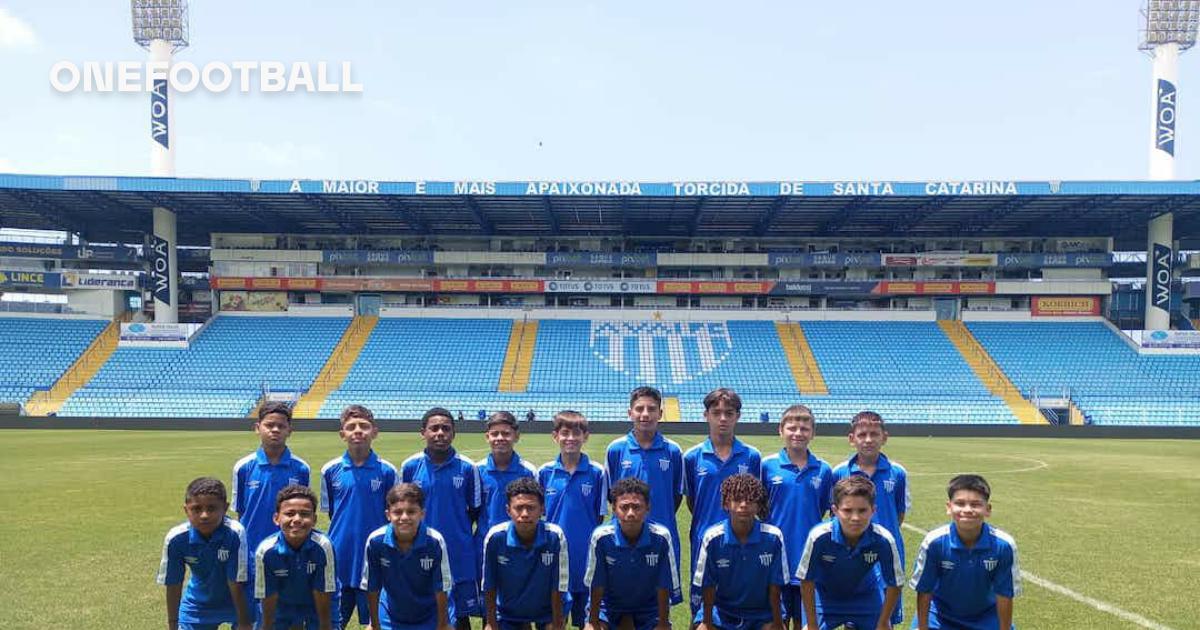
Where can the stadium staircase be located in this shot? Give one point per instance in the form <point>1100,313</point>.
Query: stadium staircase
<point>989,372</point>
<point>671,409</point>
<point>801,361</point>
<point>518,359</point>
<point>337,367</point>
<point>46,402</point>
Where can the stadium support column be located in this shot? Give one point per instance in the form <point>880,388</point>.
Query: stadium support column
<point>165,269</point>
<point>1160,250</point>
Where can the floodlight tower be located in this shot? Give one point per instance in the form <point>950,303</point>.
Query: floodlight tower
<point>1170,29</point>
<point>161,27</point>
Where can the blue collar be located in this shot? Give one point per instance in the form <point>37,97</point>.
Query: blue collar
<point>389,537</point>
<point>812,462</point>
<point>632,443</point>
<point>731,538</point>
<point>539,537</point>
<point>451,455</point>
<point>513,464</point>
<point>736,448</point>
<point>838,537</point>
<point>584,463</point>
<point>372,460</point>
<point>260,456</point>
<point>282,546</point>
<point>881,465</point>
<point>619,538</point>
<point>986,539</point>
<point>218,534</point>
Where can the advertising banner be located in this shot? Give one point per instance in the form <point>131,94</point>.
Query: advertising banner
<point>823,287</point>
<point>710,287</point>
<point>1064,306</point>
<point>160,269</point>
<point>267,301</point>
<point>601,259</point>
<point>488,286</point>
<point>88,280</point>
<point>601,286</point>
<point>935,287</point>
<point>824,260</point>
<point>1171,339</point>
<point>145,334</point>
<point>43,279</point>
<point>939,259</point>
<point>381,257</point>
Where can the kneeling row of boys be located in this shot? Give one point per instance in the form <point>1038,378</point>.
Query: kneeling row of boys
<point>850,570</point>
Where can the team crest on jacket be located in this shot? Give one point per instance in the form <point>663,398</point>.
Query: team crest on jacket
<point>664,465</point>
<point>870,557</point>
<point>743,469</point>
<point>458,481</point>
<point>547,558</point>
<point>765,558</point>
<point>889,485</point>
<point>586,488</point>
<point>990,564</point>
<point>376,484</point>
<point>426,563</point>
<point>652,559</point>
<point>816,483</point>
<point>222,555</point>
<point>658,352</point>
<point>312,568</point>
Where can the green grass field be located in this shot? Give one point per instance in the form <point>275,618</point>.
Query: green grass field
<point>83,514</point>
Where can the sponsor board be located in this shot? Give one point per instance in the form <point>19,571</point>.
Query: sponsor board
<point>1171,339</point>
<point>68,252</point>
<point>1039,261</point>
<point>827,260</point>
<point>160,269</point>
<point>1064,306</point>
<point>259,301</point>
<point>381,257</point>
<point>823,287</point>
<point>16,278</point>
<point>601,259</point>
<point>706,287</point>
<point>939,259</point>
<point>488,286</point>
<point>110,281</point>
<point>601,286</point>
<point>145,334</point>
<point>936,287</point>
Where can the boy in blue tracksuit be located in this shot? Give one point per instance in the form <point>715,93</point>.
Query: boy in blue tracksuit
<point>295,575</point>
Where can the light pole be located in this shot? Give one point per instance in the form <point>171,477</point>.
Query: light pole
<point>161,27</point>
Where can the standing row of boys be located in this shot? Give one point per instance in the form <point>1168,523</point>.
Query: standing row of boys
<point>443,538</point>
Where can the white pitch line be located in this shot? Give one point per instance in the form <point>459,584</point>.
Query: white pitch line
<point>1102,606</point>
<point>1037,465</point>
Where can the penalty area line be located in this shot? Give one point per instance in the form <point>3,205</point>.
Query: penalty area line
<point>1092,602</point>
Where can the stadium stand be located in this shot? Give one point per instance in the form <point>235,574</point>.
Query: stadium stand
<point>1090,363</point>
<point>34,352</point>
<point>222,374</point>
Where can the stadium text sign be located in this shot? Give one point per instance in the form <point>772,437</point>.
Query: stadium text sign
<point>215,76</point>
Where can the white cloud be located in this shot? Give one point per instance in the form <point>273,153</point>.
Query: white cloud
<point>15,32</point>
<point>6,166</point>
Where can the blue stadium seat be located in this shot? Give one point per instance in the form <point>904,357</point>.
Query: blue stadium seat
<point>35,351</point>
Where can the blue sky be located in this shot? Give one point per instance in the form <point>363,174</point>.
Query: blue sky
<point>615,90</point>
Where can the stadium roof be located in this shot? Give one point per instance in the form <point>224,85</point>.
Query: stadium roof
<point>118,209</point>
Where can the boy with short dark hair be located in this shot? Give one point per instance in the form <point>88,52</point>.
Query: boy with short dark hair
<point>631,565</point>
<point>354,488</point>
<point>406,571</point>
<point>644,453</point>
<point>742,563</point>
<point>455,494</point>
<point>525,564</point>
<point>213,548</point>
<point>708,464</point>
<point>966,573</point>
<point>258,478</point>
<point>295,577</point>
<point>576,493</point>
<point>798,485</point>
<point>868,435</point>
<point>850,569</point>
<point>501,467</point>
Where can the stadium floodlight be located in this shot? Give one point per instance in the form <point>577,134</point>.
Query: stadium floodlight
<point>160,20</point>
<point>1170,22</point>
